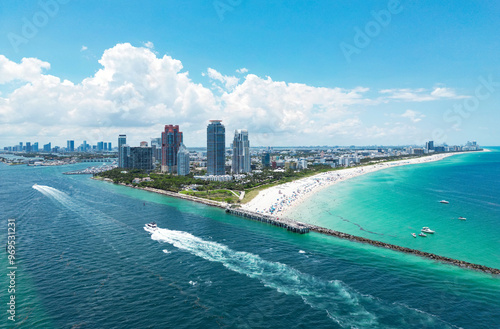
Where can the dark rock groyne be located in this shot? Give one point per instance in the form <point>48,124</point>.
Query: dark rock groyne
<point>429,255</point>
<point>302,228</point>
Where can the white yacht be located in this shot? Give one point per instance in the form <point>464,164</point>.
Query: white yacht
<point>422,234</point>
<point>462,218</point>
<point>425,229</point>
<point>444,201</point>
<point>151,227</point>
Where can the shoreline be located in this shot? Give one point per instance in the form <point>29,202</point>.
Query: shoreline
<point>300,227</point>
<point>280,200</point>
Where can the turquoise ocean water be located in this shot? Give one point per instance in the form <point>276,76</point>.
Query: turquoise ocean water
<point>389,205</point>
<point>85,261</point>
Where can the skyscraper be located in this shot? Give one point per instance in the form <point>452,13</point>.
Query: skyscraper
<point>183,161</point>
<point>171,140</point>
<point>122,140</point>
<point>70,146</point>
<point>109,146</point>
<point>241,152</point>
<point>35,147</point>
<point>216,148</point>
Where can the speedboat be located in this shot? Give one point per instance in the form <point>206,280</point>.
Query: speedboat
<point>462,218</point>
<point>422,234</point>
<point>151,226</point>
<point>425,229</point>
<point>414,235</point>
<point>444,201</point>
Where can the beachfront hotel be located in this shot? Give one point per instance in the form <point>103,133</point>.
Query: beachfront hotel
<point>241,152</point>
<point>216,148</point>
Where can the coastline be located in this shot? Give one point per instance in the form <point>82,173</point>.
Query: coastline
<point>280,200</point>
<point>295,226</point>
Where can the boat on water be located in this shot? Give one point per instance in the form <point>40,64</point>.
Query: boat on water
<point>422,234</point>
<point>151,226</point>
<point>462,218</point>
<point>444,201</point>
<point>414,235</point>
<point>425,229</point>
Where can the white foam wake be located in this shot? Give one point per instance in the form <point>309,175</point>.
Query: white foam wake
<point>341,303</point>
<point>54,193</point>
<point>348,308</point>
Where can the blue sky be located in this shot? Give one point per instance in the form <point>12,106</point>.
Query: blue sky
<point>429,70</point>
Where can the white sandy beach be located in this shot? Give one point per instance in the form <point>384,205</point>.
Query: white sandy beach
<point>278,200</point>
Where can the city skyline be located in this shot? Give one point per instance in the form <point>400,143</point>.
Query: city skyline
<point>368,76</point>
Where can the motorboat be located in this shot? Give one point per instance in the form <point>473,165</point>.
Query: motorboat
<point>151,226</point>
<point>444,201</point>
<point>462,218</point>
<point>414,235</point>
<point>425,229</point>
<point>422,234</point>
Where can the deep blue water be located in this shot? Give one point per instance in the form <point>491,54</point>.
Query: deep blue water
<point>85,261</point>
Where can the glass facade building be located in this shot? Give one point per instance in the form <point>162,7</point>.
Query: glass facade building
<point>241,152</point>
<point>216,148</point>
<point>122,140</point>
<point>183,161</point>
<point>140,158</point>
<point>171,140</point>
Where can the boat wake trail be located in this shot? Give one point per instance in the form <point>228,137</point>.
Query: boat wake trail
<point>97,222</point>
<point>62,197</point>
<point>340,302</point>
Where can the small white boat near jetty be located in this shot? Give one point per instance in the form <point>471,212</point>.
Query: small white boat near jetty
<point>425,229</point>
<point>444,201</point>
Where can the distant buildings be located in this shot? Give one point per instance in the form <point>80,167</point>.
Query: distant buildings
<point>134,157</point>
<point>183,161</point>
<point>266,160</point>
<point>70,146</point>
<point>241,152</point>
<point>216,148</point>
<point>429,146</point>
<point>47,148</point>
<point>156,147</point>
<point>171,140</point>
